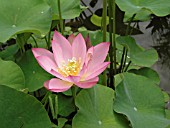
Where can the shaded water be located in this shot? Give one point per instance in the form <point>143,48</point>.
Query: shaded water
<point>160,40</point>
<point>152,34</point>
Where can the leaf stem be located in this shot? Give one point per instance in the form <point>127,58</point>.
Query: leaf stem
<point>20,40</point>
<point>45,99</point>
<point>104,16</point>
<point>60,17</point>
<point>127,66</point>
<point>104,29</point>
<point>48,45</point>
<point>49,39</point>
<point>124,54</point>
<point>73,90</point>
<point>122,58</point>
<point>114,33</point>
<point>36,45</point>
<point>112,50</point>
<point>124,64</point>
<point>128,27</point>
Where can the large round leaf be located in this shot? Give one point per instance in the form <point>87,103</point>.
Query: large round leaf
<point>19,110</point>
<point>19,16</point>
<point>96,37</point>
<point>69,8</point>
<point>11,75</point>
<point>141,101</point>
<point>9,52</point>
<point>157,7</point>
<point>96,109</point>
<point>35,76</point>
<point>137,54</point>
<point>142,15</point>
<point>97,20</point>
<point>148,73</point>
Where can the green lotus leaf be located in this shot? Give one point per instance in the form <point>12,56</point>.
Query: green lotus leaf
<point>96,109</point>
<point>21,16</point>
<point>141,101</point>
<point>157,7</point>
<point>35,76</point>
<point>9,52</point>
<point>148,73</point>
<point>20,110</point>
<point>11,75</point>
<point>69,8</point>
<point>137,54</point>
<point>97,20</point>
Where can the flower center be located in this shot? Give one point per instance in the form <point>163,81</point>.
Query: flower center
<point>72,68</point>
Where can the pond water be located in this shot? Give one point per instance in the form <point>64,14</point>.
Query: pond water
<point>156,35</point>
<point>162,45</point>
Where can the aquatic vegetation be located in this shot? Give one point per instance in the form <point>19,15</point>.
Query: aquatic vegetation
<point>55,72</point>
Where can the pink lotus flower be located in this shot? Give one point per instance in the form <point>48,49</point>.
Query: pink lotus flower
<point>71,62</point>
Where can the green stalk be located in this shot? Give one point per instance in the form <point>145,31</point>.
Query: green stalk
<point>122,60</point>
<point>133,28</point>
<point>45,97</point>
<point>73,90</point>
<point>20,40</point>
<point>60,17</point>
<point>49,38</point>
<point>51,106</point>
<point>112,50</point>
<point>36,45</point>
<point>104,28</point>
<point>104,17</point>
<point>124,64</point>
<point>128,27</point>
<point>48,45</point>
<point>124,55</point>
<point>114,33</point>
<point>127,66</point>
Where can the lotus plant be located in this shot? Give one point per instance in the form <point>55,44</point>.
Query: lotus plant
<point>71,62</point>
